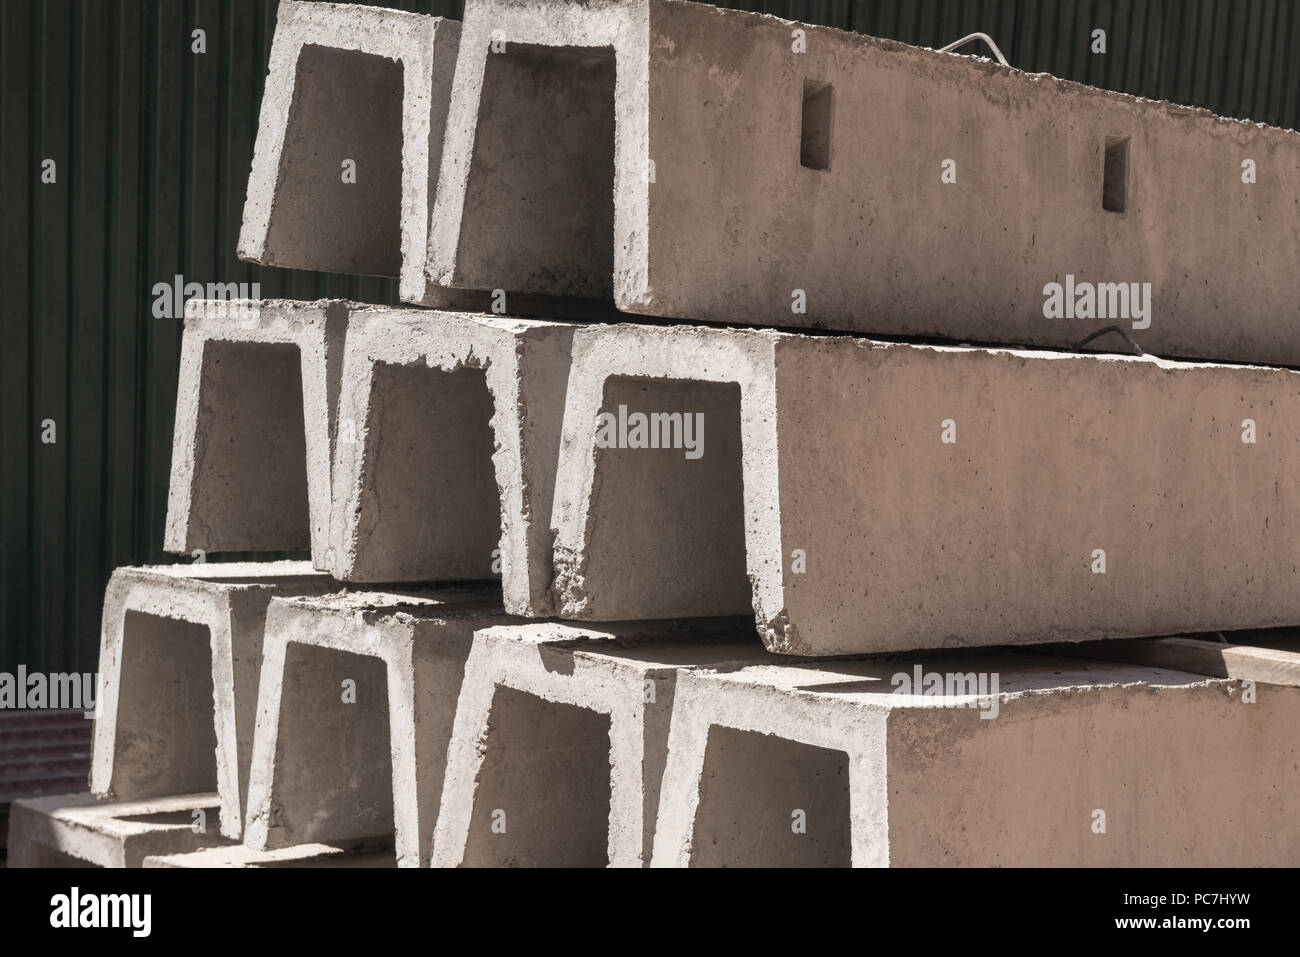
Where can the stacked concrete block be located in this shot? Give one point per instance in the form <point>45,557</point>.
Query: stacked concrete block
<point>997,759</point>
<point>349,140</point>
<point>449,434</point>
<point>731,166</point>
<point>238,856</point>
<point>356,706</point>
<point>76,830</point>
<point>560,739</point>
<point>254,434</point>
<point>871,496</point>
<point>180,660</point>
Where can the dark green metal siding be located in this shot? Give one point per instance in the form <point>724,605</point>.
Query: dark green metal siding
<point>153,145</point>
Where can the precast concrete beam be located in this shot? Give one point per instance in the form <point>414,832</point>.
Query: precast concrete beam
<point>76,830</point>
<point>734,167</point>
<point>560,739</point>
<point>983,760</point>
<point>449,430</point>
<point>359,694</point>
<point>179,661</point>
<point>255,409</point>
<point>863,496</point>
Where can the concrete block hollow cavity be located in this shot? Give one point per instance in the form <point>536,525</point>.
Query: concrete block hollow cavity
<point>255,407</point>
<point>449,430</point>
<point>978,544</point>
<point>845,763</point>
<point>180,653</point>
<point>360,690</point>
<point>348,143</point>
<point>560,739</point>
<point>826,179</point>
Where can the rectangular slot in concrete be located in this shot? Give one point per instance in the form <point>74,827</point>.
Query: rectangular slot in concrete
<point>669,536</point>
<point>250,439</point>
<point>543,174</point>
<point>166,738</point>
<point>815,129</point>
<point>767,801</point>
<point>338,201</point>
<point>1114,190</point>
<point>543,789</point>
<point>434,502</point>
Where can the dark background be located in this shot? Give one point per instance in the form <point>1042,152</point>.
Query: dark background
<point>153,145</point>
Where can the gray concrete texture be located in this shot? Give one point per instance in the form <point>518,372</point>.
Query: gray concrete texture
<point>76,830</point>
<point>826,498</point>
<point>776,170</point>
<point>449,431</point>
<point>357,699</point>
<point>349,82</point>
<point>255,407</point>
<point>304,855</point>
<point>179,662</point>
<point>1081,764</point>
<point>560,739</point>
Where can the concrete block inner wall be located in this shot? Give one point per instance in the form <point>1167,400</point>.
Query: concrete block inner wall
<point>166,738</point>
<point>433,501</point>
<point>252,484</point>
<point>545,779</point>
<point>347,105</point>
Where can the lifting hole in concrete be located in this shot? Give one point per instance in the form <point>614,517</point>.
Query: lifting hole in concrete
<point>334,771</point>
<point>539,204</point>
<point>767,801</point>
<point>250,481</point>
<point>434,510</point>
<point>338,199</point>
<point>815,132</point>
<point>542,794</point>
<point>165,741</point>
<point>1114,189</point>
<point>667,528</point>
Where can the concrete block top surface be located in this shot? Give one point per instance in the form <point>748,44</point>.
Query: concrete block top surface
<point>227,576</point>
<point>707,643</point>
<point>433,604</point>
<point>770,172</point>
<point>870,682</point>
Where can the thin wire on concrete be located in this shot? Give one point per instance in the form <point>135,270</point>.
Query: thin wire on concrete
<point>1137,349</point>
<point>977,36</point>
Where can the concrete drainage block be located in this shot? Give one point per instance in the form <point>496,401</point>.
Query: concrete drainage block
<point>560,739</point>
<point>864,497</point>
<point>179,660</point>
<point>449,429</point>
<point>356,706</point>
<point>992,759</point>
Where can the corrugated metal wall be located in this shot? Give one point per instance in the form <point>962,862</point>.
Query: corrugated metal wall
<point>152,145</point>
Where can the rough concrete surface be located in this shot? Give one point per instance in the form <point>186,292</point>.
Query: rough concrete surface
<point>304,855</point>
<point>827,495</point>
<point>355,710</point>
<point>255,408</point>
<point>1083,764</point>
<point>179,661</point>
<point>349,82</point>
<point>560,737</point>
<point>449,428</point>
<point>729,221</point>
<point>76,830</point>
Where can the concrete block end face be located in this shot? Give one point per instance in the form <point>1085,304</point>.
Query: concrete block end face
<point>251,450</point>
<point>355,105</point>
